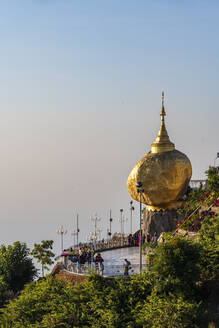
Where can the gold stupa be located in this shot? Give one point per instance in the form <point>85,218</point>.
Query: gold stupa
<point>164,172</point>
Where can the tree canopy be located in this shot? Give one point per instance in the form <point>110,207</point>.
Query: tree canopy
<point>16,269</point>
<point>43,253</point>
<point>16,266</point>
<point>213,179</point>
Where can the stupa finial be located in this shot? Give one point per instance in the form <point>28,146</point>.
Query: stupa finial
<point>162,142</point>
<point>162,113</point>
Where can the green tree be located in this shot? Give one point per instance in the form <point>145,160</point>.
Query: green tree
<point>100,302</point>
<point>110,302</point>
<point>43,253</point>
<point>4,322</point>
<point>175,266</point>
<point>213,179</point>
<point>46,303</point>
<point>169,312</point>
<point>209,240</point>
<point>96,303</point>
<point>16,267</point>
<point>3,291</point>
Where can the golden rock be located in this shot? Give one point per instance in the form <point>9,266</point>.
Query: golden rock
<point>164,172</point>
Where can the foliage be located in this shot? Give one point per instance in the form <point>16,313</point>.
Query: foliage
<point>175,266</point>
<point>45,303</point>
<point>213,179</point>
<point>42,252</point>
<point>100,302</point>
<point>148,246</point>
<point>4,322</point>
<point>111,301</point>
<point>16,267</point>
<point>169,312</point>
<point>196,199</point>
<point>3,290</point>
<point>209,240</point>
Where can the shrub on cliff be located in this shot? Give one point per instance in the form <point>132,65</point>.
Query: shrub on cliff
<point>175,266</point>
<point>46,303</point>
<point>169,312</point>
<point>98,302</point>
<point>112,301</point>
<point>213,179</point>
<point>209,240</point>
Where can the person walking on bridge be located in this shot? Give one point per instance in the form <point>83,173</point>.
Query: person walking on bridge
<point>99,263</point>
<point>127,267</point>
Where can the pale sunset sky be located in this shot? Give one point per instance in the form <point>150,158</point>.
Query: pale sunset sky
<point>80,97</point>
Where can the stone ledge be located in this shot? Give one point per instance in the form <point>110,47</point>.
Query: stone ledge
<point>73,278</point>
<point>59,272</point>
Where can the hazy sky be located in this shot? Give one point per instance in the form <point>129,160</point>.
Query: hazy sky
<point>80,94</point>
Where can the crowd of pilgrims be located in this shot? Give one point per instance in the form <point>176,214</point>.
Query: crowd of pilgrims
<point>79,257</point>
<point>134,240</point>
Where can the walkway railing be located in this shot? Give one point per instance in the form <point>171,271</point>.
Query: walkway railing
<point>104,245</point>
<point>111,270</point>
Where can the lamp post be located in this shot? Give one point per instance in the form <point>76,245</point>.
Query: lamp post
<point>121,211</point>
<point>131,210</point>
<point>89,238</point>
<point>216,159</point>
<point>122,220</point>
<point>78,230</point>
<point>110,229</point>
<point>99,233</point>
<point>74,233</point>
<point>95,219</point>
<point>61,232</point>
<point>140,191</point>
<point>93,239</point>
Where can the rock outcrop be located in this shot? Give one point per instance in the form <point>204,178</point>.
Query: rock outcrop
<point>159,221</point>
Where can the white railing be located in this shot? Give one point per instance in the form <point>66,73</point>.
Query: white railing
<point>109,270</point>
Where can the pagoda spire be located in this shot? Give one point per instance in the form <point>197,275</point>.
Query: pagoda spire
<point>162,142</point>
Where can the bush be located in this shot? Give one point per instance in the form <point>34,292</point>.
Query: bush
<point>175,266</point>
<point>45,303</point>
<point>97,302</point>
<point>209,240</point>
<point>111,301</point>
<point>213,179</point>
<point>169,312</point>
